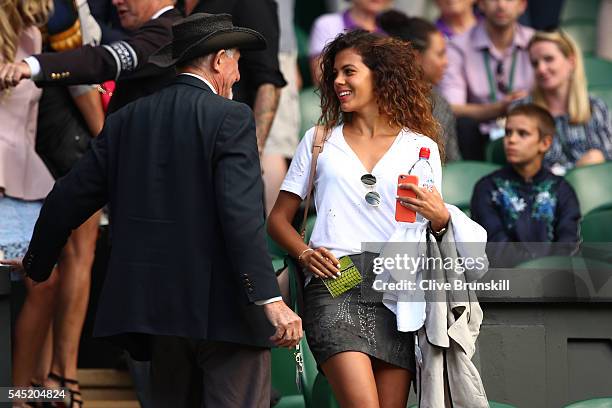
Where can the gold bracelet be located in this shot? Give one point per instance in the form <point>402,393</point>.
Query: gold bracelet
<point>302,254</point>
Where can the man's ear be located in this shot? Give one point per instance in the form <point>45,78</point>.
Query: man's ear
<point>217,61</point>
<point>545,143</point>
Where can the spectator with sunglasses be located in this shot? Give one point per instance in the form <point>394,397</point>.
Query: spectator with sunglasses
<point>488,69</point>
<point>583,121</point>
<point>376,115</point>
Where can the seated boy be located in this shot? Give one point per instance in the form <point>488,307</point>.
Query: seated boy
<point>524,202</point>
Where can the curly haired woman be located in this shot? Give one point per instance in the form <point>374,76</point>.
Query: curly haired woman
<point>377,116</point>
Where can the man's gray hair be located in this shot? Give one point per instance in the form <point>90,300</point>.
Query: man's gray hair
<point>204,60</point>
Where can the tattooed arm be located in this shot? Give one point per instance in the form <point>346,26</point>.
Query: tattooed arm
<point>266,103</point>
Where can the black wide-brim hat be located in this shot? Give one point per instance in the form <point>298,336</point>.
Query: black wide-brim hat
<point>201,34</point>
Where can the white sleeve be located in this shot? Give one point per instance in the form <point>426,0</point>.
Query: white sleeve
<point>266,301</point>
<point>35,71</point>
<point>296,180</point>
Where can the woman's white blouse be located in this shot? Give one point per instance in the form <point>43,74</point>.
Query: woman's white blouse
<point>344,219</point>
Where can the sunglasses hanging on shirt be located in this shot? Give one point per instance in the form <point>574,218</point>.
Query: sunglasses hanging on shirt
<point>372,197</point>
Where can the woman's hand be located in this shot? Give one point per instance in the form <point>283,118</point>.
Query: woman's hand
<point>427,203</point>
<point>321,263</point>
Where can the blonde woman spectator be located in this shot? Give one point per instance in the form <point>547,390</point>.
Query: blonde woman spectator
<point>63,304</point>
<point>24,179</point>
<point>583,122</point>
<point>361,14</point>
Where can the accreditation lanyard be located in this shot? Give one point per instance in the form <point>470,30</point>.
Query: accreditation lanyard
<point>492,85</point>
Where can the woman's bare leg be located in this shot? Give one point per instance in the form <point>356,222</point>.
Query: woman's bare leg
<point>392,383</point>
<point>351,377</point>
<point>32,327</point>
<point>73,297</point>
<point>46,356</point>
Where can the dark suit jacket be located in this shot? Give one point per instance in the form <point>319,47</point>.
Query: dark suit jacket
<point>181,172</point>
<point>125,61</point>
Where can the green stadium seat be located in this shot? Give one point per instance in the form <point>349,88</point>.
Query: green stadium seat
<point>584,32</point>
<point>310,109</point>
<point>291,401</point>
<point>459,178</point>
<point>596,226</point>
<point>593,186</point>
<point>283,378</point>
<point>284,367</point>
<point>274,249</point>
<point>493,404</point>
<point>579,9</point>
<point>605,93</point>
<point>303,60</point>
<point>494,152</point>
<point>558,262</point>
<point>592,403</point>
<point>322,394</point>
<point>598,72</point>
<point>309,227</point>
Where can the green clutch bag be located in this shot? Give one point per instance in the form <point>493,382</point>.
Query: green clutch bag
<point>348,279</point>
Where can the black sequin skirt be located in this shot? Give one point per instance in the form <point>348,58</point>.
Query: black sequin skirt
<point>356,320</point>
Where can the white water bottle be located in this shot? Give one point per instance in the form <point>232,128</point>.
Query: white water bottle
<point>422,169</point>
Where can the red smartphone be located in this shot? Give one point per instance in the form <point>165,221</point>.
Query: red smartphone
<point>403,214</point>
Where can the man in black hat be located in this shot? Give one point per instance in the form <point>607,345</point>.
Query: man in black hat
<point>190,284</point>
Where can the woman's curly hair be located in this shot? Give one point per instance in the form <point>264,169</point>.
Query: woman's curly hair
<point>402,94</point>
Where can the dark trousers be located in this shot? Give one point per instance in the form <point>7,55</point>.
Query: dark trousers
<point>199,373</point>
<point>472,143</point>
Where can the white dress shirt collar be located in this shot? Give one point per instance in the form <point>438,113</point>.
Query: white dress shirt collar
<point>162,11</point>
<point>201,79</point>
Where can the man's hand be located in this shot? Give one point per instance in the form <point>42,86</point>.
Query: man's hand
<point>12,73</point>
<point>288,325</point>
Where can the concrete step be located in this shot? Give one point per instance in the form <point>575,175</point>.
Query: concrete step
<point>104,378</point>
<point>107,388</point>
<point>112,404</point>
